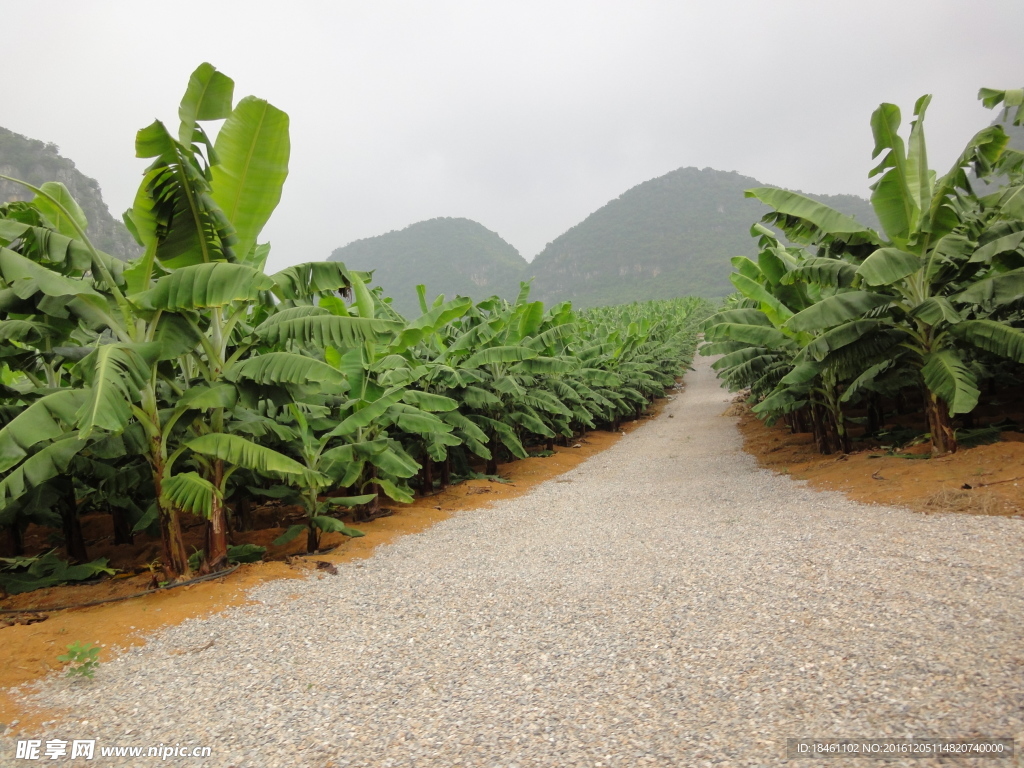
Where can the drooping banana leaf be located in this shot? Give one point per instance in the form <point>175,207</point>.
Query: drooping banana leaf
<point>240,452</point>
<point>200,286</point>
<point>836,310</point>
<point>945,374</point>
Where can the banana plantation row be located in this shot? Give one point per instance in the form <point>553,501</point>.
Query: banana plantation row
<point>845,317</point>
<point>190,381</point>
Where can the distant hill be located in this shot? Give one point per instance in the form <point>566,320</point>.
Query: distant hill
<point>35,162</point>
<point>670,236</point>
<point>449,256</point>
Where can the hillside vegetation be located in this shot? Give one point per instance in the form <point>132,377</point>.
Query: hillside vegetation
<point>449,256</point>
<point>670,236</point>
<point>35,162</point>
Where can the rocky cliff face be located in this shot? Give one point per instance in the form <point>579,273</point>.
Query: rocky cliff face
<point>35,162</point>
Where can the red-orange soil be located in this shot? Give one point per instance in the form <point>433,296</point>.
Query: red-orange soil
<point>988,479</point>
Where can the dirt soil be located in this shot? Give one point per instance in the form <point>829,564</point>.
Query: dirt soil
<point>32,640</point>
<point>985,480</point>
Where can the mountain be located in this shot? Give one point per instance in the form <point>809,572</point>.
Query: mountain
<point>449,256</point>
<point>35,162</point>
<point>670,236</point>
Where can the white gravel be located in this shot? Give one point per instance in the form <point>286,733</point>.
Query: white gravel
<point>667,603</point>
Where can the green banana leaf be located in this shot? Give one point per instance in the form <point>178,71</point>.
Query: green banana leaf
<point>61,209</point>
<point>208,97</point>
<point>946,375</point>
<point>836,310</point>
<point>46,419</point>
<point>203,286</point>
<point>240,452</point>
<point>190,492</point>
<point>500,354</point>
<point>993,336</point>
<point>324,329</point>
<point>115,374</point>
<point>284,368</point>
<point>253,149</point>
<point>999,289</point>
<point>49,462</point>
<point>888,265</point>
<point>840,337</point>
<point>803,212</point>
<point>333,525</point>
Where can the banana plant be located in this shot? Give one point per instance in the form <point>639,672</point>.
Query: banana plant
<point>323,470</point>
<point>914,280</point>
<point>198,214</point>
<point>116,370</point>
<point>772,356</point>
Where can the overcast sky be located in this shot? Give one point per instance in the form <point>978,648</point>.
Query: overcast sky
<point>525,116</point>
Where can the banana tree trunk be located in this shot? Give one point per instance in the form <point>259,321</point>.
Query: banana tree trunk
<point>427,476</point>
<point>216,527</point>
<point>11,543</point>
<point>818,429</point>
<point>371,510</point>
<point>876,413</point>
<point>940,425</point>
<point>446,472</point>
<point>122,526</point>
<point>795,421</point>
<point>312,538</point>
<point>74,541</point>
<point>492,463</point>
<point>243,512</point>
<point>902,406</point>
<point>839,438</point>
<point>175,557</point>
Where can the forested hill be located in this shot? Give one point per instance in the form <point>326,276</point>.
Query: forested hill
<point>449,256</point>
<point>670,236</point>
<point>35,162</point>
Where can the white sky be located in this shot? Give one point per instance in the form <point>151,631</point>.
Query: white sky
<point>525,116</point>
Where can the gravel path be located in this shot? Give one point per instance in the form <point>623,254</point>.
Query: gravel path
<point>666,603</point>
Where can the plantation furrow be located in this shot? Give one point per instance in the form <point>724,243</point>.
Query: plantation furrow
<point>665,603</point>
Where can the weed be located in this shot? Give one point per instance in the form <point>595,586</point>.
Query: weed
<point>82,660</point>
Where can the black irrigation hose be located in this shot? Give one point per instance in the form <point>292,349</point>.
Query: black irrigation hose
<point>207,577</point>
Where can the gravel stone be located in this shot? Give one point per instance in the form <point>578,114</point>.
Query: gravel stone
<point>671,605</point>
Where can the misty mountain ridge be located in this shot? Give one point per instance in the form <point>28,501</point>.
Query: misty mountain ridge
<point>452,256</point>
<point>670,236</point>
<point>37,163</point>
